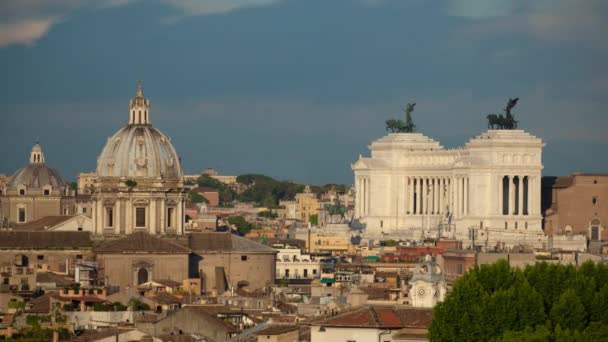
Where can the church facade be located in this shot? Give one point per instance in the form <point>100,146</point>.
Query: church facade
<point>138,184</point>
<point>487,191</point>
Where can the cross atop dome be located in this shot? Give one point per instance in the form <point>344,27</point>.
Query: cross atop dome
<point>139,108</point>
<point>37,156</point>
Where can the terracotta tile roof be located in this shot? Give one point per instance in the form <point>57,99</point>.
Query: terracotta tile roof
<point>226,242</point>
<point>277,329</point>
<point>383,317</point>
<point>415,317</point>
<point>59,280</point>
<point>168,283</point>
<point>42,223</point>
<point>44,240</point>
<point>141,242</point>
<point>165,298</point>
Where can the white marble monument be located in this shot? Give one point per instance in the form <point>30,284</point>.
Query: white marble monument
<point>489,190</point>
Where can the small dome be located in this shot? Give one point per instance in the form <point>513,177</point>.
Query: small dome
<point>36,174</point>
<point>139,150</point>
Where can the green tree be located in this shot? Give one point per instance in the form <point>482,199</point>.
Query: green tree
<point>195,197</point>
<point>268,214</point>
<point>314,219</point>
<point>599,308</point>
<point>569,312</point>
<point>241,224</point>
<point>539,334</point>
<point>460,316</point>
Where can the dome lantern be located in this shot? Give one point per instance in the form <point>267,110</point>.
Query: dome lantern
<point>139,108</point>
<point>37,156</point>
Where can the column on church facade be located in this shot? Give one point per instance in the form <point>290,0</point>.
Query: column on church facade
<point>180,216</point>
<point>129,220</point>
<point>152,215</point>
<point>163,215</point>
<point>117,220</point>
<point>511,196</point>
<point>99,215</point>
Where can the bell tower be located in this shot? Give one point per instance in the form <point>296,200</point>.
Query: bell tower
<point>139,108</point>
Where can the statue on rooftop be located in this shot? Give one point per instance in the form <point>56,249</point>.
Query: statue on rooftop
<point>504,122</point>
<point>398,126</point>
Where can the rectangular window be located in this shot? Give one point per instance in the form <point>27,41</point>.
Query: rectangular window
<point>140,217</point>
<point>47,192</point>
<point>110,217</point>
<point>40,257</point>
<point>170,217</point>
<point>21,192</point>
<point>243,258</point>
<point>84,210</point>
<point>21,215</point>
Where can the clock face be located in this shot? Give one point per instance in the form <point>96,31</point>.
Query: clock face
<point>421,292</point>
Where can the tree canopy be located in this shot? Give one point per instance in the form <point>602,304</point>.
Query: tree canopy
<point>543,302</point>
<point>266,191</point>
<point>241,224</point>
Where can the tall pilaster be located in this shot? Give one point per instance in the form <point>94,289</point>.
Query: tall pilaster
<point>117,220</point>
<point>152,215</point>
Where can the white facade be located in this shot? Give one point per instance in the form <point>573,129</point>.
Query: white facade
<point>412,187</point>
<point>292,264</point>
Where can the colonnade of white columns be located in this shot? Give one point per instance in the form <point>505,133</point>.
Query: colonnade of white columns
<point>437,195</point>
<point>516,195</point>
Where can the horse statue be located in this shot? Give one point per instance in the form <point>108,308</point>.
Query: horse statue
<point>335,209</point>
<point>398,126</point>
<point>504,122</point>
<point>394,125</point>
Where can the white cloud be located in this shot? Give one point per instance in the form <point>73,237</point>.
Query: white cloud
<point>551,21</point>
<point>24,32</point>
<point>23,22</point>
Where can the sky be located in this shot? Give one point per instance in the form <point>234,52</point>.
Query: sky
<point>298,89</point>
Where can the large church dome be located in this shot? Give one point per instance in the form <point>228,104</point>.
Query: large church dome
<point>36,174</point>
<point>139,150</point>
